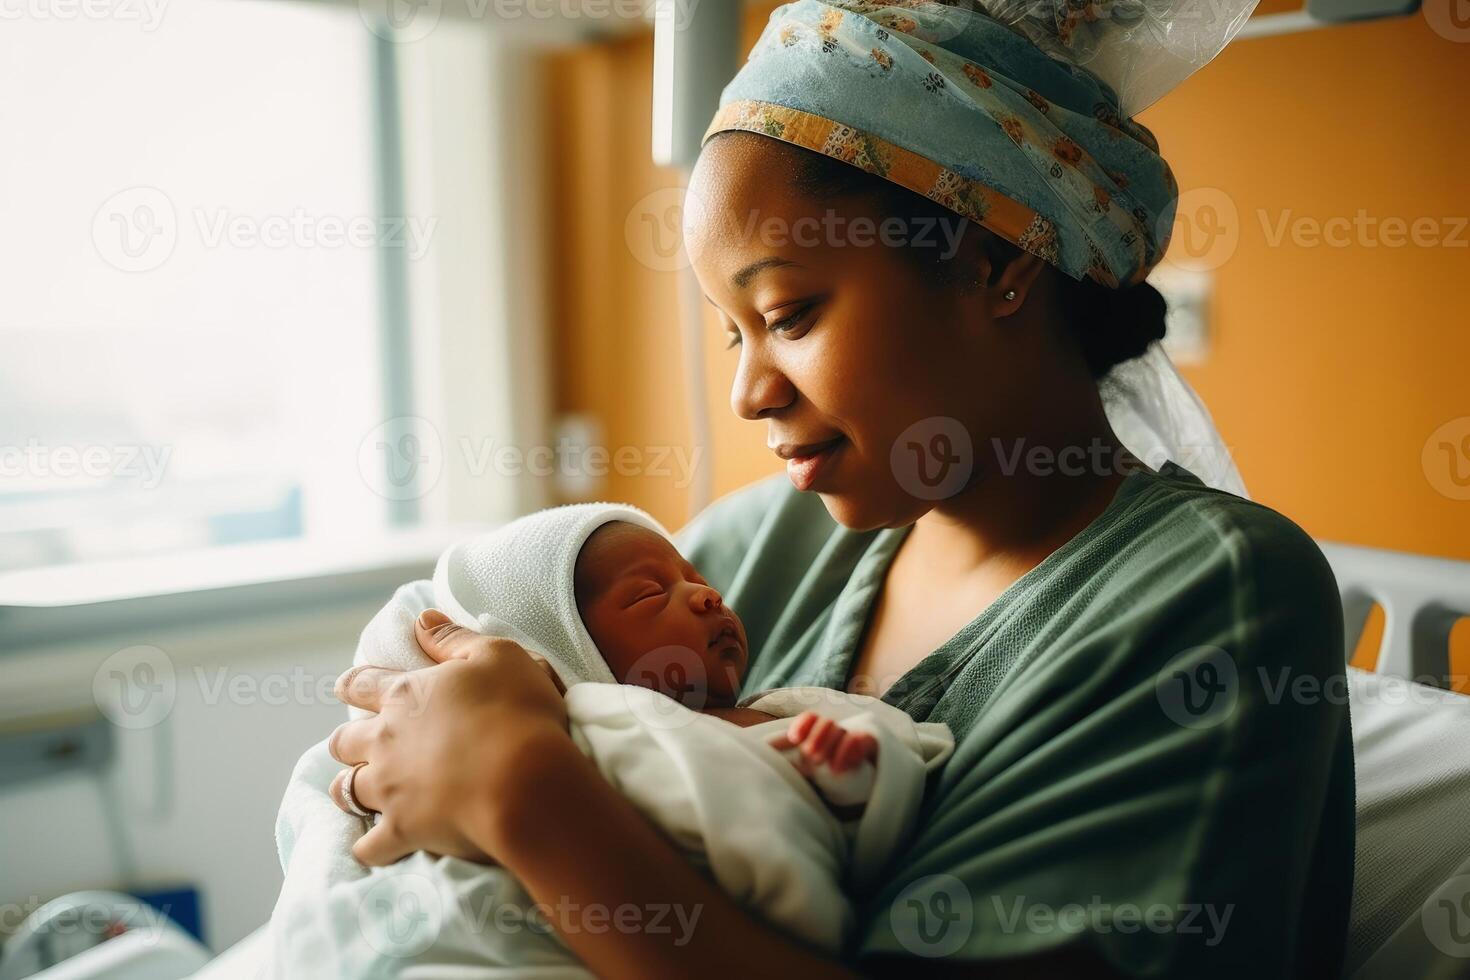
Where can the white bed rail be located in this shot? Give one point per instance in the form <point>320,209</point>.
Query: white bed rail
<point>1422,599</point>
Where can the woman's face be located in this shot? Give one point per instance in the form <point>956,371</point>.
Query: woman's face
<point>869,374</point>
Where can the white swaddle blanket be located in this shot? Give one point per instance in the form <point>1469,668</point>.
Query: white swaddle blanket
<point>733,804</point>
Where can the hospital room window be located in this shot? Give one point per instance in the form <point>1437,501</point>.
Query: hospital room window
<point>194,199</point>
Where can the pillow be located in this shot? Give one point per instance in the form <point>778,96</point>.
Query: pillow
<point>1411,890</point>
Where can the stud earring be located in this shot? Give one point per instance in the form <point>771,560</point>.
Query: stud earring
<point>1010,294</point>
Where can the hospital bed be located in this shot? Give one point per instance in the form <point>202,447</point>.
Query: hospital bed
<point>1411,901</point>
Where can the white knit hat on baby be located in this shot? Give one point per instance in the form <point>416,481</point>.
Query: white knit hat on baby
<point>516,582</point>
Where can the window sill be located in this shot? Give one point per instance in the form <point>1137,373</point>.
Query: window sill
<point>49,605</point>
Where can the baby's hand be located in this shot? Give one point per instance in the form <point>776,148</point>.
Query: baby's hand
<point>823,741</point>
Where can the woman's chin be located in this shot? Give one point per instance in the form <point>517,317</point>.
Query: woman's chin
<point>867,513</point>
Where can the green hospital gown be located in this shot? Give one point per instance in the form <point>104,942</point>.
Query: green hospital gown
<point>1153,749</point>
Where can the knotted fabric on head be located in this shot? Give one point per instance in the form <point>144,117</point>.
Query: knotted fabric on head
<point>958,107</point>
<point>969,111</point>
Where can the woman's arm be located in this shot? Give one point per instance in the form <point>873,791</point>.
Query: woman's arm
<point>608,877</point>
<point>471,757</point>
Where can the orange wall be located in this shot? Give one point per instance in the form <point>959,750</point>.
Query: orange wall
<point>1333,366</point>
<point>1330,367</point>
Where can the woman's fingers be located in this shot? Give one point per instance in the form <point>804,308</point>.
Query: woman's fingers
<point>381,845</point>
<point>441,638</point>
<point>371,687</point>
<point>349,741</point>
<point>365,789</point>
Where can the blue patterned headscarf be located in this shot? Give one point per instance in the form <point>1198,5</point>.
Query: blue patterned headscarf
<point>956,106</point>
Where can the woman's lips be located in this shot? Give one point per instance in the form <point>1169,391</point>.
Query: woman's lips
<point>804,469</point>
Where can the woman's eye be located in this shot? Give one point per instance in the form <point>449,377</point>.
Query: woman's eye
<point>788,326</point>
<point>790,323</point>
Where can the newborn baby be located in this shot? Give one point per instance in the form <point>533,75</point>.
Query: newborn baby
<point>658,624</point>
<point>789,813</point>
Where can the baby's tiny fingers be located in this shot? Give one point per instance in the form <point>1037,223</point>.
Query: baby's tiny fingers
<point>855,747</point>
<point>800,726</point>
<point>823,736</point>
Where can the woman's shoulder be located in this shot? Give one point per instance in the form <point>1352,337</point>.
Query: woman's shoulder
<point>1181,522</point>
<point>1248,530</point>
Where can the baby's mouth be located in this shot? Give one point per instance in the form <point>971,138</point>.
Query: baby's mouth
<point>727,642</point>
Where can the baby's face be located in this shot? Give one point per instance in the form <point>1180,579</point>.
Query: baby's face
<point>656,621</point>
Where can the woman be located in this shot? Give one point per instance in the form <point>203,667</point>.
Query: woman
<point>1139,787</point>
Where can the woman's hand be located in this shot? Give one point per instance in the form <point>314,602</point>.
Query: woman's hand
<point>446,742</point>
<point>471,758</point>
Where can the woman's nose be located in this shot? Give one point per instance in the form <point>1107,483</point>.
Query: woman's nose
<point>758,387</point>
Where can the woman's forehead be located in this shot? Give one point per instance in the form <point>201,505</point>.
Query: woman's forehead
<point>738,181</point>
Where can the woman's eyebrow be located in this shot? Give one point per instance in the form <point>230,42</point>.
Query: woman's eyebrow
<point>743,278</point>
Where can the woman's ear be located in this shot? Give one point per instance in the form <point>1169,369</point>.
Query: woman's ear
<point>1015,282</point>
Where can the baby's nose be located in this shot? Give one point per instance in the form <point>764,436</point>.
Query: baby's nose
<point>705,599</point>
